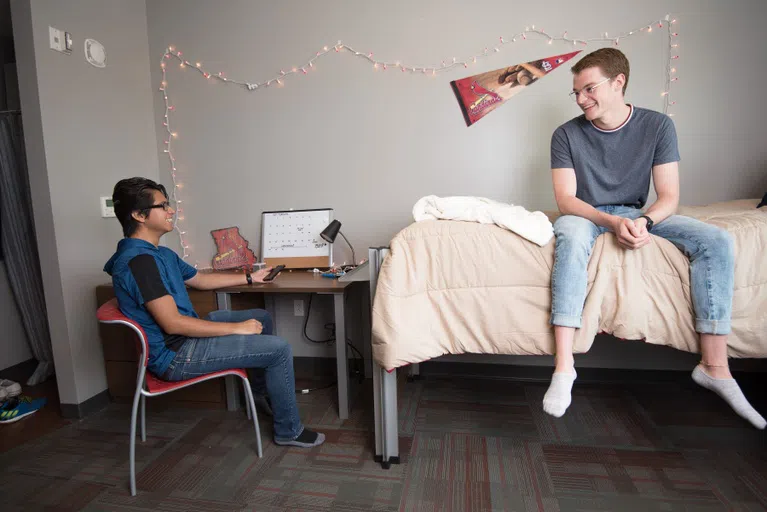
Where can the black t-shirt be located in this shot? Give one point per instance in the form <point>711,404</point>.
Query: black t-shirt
<point>147,276</point>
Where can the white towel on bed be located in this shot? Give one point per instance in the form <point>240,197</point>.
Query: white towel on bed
<point>533,226</point>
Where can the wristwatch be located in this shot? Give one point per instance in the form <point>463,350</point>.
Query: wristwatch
<point>650,223</point>
<point>248,277</point>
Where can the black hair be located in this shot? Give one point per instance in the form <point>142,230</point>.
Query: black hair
<point>134,194</point>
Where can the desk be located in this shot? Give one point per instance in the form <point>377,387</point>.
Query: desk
<point>299,281</point>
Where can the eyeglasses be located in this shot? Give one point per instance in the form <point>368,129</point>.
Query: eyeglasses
<point>165,205</point>
<point>587,90</point>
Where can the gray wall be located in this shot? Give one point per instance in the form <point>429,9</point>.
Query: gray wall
<point>85,129</point>
<point>369,144</point>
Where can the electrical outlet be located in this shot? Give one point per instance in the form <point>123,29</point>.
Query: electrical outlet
<point>298,308</point>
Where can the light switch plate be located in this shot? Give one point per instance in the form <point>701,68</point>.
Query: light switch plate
<point>58,40</point>
<point>107,207</point>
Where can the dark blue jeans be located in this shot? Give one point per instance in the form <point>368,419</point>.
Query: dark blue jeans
<point>267,358</point>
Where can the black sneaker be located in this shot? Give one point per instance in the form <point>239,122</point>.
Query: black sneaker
<point>307,439</point>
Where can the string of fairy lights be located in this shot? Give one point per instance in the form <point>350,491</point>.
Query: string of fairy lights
<point>378,65</point>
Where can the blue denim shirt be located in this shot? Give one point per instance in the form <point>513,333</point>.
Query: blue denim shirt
<point>173,271</point>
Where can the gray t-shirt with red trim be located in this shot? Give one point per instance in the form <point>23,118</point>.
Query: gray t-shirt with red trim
<point>614,167</point>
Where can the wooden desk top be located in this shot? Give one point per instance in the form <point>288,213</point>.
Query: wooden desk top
<point>296,281</point>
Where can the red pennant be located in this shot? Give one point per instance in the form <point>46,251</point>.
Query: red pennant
<point>479,95</point>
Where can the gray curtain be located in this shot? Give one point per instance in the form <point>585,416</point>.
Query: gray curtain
<point>19,247</point>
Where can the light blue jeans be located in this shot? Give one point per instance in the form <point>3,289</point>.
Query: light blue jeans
<point>199,356</point>
<point>709,248</point>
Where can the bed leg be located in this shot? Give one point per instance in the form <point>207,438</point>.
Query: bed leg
<point>384,385</point>
<point>387,421</point>
<point>377,412</point>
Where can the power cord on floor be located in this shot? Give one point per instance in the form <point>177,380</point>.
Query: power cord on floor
<point>306,391</point>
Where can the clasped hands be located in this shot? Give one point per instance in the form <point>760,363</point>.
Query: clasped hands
<point>631,234</point>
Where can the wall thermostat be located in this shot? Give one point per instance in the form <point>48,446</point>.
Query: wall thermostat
<point>107,207</point>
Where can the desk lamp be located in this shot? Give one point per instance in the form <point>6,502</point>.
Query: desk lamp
<point>330,233</point>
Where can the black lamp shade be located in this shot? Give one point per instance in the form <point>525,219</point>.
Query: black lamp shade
<point>330,233</point>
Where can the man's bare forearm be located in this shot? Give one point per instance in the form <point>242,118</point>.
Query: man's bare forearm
<point>573,206</point>
<point>216,280</point>
<point>661,209</point>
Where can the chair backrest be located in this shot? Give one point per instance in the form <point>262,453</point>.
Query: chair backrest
<point>109,313</point>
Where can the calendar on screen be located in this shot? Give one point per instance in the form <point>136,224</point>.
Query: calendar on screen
<point>292,238</point>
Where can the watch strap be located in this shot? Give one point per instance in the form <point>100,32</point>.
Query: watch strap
<point>650,222</point>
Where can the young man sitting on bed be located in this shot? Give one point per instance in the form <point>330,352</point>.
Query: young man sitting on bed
<point>601,166</point>
<point>150,285</point>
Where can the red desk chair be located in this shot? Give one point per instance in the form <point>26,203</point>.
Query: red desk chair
<point>149,385</point>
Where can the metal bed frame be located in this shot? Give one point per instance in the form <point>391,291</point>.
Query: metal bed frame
<point>384,384</point>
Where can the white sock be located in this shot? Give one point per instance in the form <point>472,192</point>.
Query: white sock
<point>729,390</point>
<point>557,398</point>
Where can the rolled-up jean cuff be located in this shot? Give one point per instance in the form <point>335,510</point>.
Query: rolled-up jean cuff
<point>718,327</point>
<point>565,320</point>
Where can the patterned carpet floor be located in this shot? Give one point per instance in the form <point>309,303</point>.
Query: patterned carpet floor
<point>466,445</point>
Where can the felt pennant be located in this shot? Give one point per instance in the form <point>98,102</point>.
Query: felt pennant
<point>480,94</point>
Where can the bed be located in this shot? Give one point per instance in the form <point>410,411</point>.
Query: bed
<point>447,287</point>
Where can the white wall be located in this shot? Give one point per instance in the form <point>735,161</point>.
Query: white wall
<point>85,129</point>
<point>370,143</point>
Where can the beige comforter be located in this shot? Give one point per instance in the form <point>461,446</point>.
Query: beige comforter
<point>451,287</point>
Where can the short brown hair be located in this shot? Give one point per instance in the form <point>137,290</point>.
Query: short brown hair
<point>611,61</point>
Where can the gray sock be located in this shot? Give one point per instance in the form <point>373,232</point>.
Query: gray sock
<point>557,399</point>
<point>730,392</point>
<point>307,439</point>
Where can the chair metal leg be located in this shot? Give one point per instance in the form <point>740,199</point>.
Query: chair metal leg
<point>245,384</point>
<point>252,406</point>
<point>143,419</point>
<point>132,456</point>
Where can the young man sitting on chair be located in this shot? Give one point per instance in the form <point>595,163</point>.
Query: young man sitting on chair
<point>601,164</point>
<point>150,285</point>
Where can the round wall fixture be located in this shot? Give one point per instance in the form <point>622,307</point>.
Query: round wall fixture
<point>95,53</point>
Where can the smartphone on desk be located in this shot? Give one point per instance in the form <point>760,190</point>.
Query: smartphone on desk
<point>273,273</point>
